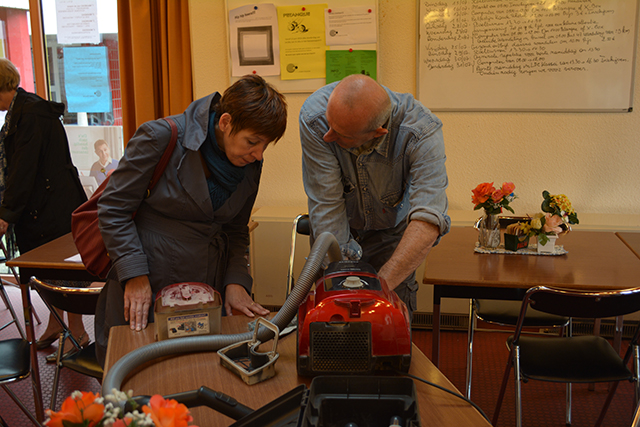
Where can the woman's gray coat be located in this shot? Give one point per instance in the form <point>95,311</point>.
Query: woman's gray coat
<point>175,235</point>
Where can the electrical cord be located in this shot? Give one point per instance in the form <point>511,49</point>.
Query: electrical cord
<point>458,395</point>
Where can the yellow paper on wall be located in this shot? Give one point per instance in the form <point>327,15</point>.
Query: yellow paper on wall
<point>302,41</point>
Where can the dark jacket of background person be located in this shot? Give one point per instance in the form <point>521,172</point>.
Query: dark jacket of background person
<point>42,184</point>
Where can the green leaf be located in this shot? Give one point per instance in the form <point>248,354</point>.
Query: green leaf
<point>510,209</point>
<point>542,239</point>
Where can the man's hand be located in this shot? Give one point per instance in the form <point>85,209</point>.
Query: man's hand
<point>236,298</point>
<point>413,248</point>
<point>137,300</point>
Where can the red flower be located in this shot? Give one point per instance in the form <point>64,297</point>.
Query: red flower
<point>167,413</point>
<point>482,193</point>
<point>77,409</point>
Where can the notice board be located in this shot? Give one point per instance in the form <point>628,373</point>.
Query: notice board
<point>528,55</point>
<point>308,84</point>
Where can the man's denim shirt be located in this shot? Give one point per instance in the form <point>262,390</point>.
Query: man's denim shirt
<point>402,178</point>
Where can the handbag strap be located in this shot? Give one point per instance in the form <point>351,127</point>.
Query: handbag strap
<point>164,160</point>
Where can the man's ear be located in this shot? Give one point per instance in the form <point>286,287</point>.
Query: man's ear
<point>380,131</point>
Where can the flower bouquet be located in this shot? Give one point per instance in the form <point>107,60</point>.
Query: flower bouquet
<point>555,219</point>
<point>90,410</point>
<point>492,201</point>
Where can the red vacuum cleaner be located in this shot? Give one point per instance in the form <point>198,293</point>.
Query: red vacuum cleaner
<point>352,324</point>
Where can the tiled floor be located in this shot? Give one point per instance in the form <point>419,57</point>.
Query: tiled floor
<point>543,402</point>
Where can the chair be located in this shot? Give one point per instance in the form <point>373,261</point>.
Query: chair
<point>504,313</point>
<point>77,301</point>
<point>582,359</point>
<point>15,365</point>
<point>15,362</point>
<point>301,225</point>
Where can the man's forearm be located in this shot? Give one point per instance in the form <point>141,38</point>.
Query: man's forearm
<point>413,248</point>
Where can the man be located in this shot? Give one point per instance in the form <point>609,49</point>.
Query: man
<point>105,164</point>
<point>373,165</point>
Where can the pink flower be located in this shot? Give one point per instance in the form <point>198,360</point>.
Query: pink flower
<point>498,195</point>
<point>508,187</point>
<point>552,224</point>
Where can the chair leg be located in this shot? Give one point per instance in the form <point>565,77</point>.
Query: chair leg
<point>503,388</point>
<point>7,302</point>
<point>56,377</point>
<point>568,409</point>
<point>612,390</point>
<point>518,389</point>
<point>636,367</point>
<point>636,416</point>
<point>24,409</point>
<point>470,349</point>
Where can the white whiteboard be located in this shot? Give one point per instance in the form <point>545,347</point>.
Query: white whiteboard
<point>527,54</point>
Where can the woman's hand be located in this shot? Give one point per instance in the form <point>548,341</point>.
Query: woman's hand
<point>236,298</point>
<point>3,227</point>
<point>137,300</point>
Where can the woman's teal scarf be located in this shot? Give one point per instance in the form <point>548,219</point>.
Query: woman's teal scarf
<point>225,176</point>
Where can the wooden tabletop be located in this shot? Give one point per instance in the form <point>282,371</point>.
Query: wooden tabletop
<point>191,371</point>
<point>595,260</point>
<point>51,255</point>
<point>632,240</point>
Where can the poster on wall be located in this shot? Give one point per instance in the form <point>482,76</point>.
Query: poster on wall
<point>253,40</point>
<point>77,21</point>
<point>350,25</point>
<point>302,43</point>
<point>95,152</point>
<point>87,79</point>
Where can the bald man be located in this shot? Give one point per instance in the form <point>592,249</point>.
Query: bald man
<point>373,166</point>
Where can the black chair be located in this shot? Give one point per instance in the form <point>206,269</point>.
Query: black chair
<point>301,225</point>
<point>77,301</point>
<point>15,366</point>
<point>581,359</point>
<point>505,314</point>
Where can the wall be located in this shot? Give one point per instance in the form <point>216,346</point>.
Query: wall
<point>591,157</point>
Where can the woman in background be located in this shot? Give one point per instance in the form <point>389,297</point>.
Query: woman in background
<point>193,225</point>
<point>39,185</point>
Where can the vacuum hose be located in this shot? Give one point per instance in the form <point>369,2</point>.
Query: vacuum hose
<point>325,244</point>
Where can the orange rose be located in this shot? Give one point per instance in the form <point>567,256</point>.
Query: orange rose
<point>77,409</point>
<point>167,413</point>
<point>482,193</point>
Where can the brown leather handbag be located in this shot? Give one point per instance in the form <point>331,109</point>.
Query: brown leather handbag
<point>84,220</point>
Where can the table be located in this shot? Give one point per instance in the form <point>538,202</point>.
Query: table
<point>595,261</point>
<point>191,371</point>
<point>632,240</point>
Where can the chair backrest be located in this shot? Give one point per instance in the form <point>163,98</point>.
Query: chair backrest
<point>72,300</point>
<point>587,304</point>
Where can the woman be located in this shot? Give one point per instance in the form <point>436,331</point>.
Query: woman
<point>193,225</point>
<point>39,184</point>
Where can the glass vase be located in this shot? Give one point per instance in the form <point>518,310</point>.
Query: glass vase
<point>489,231</point>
